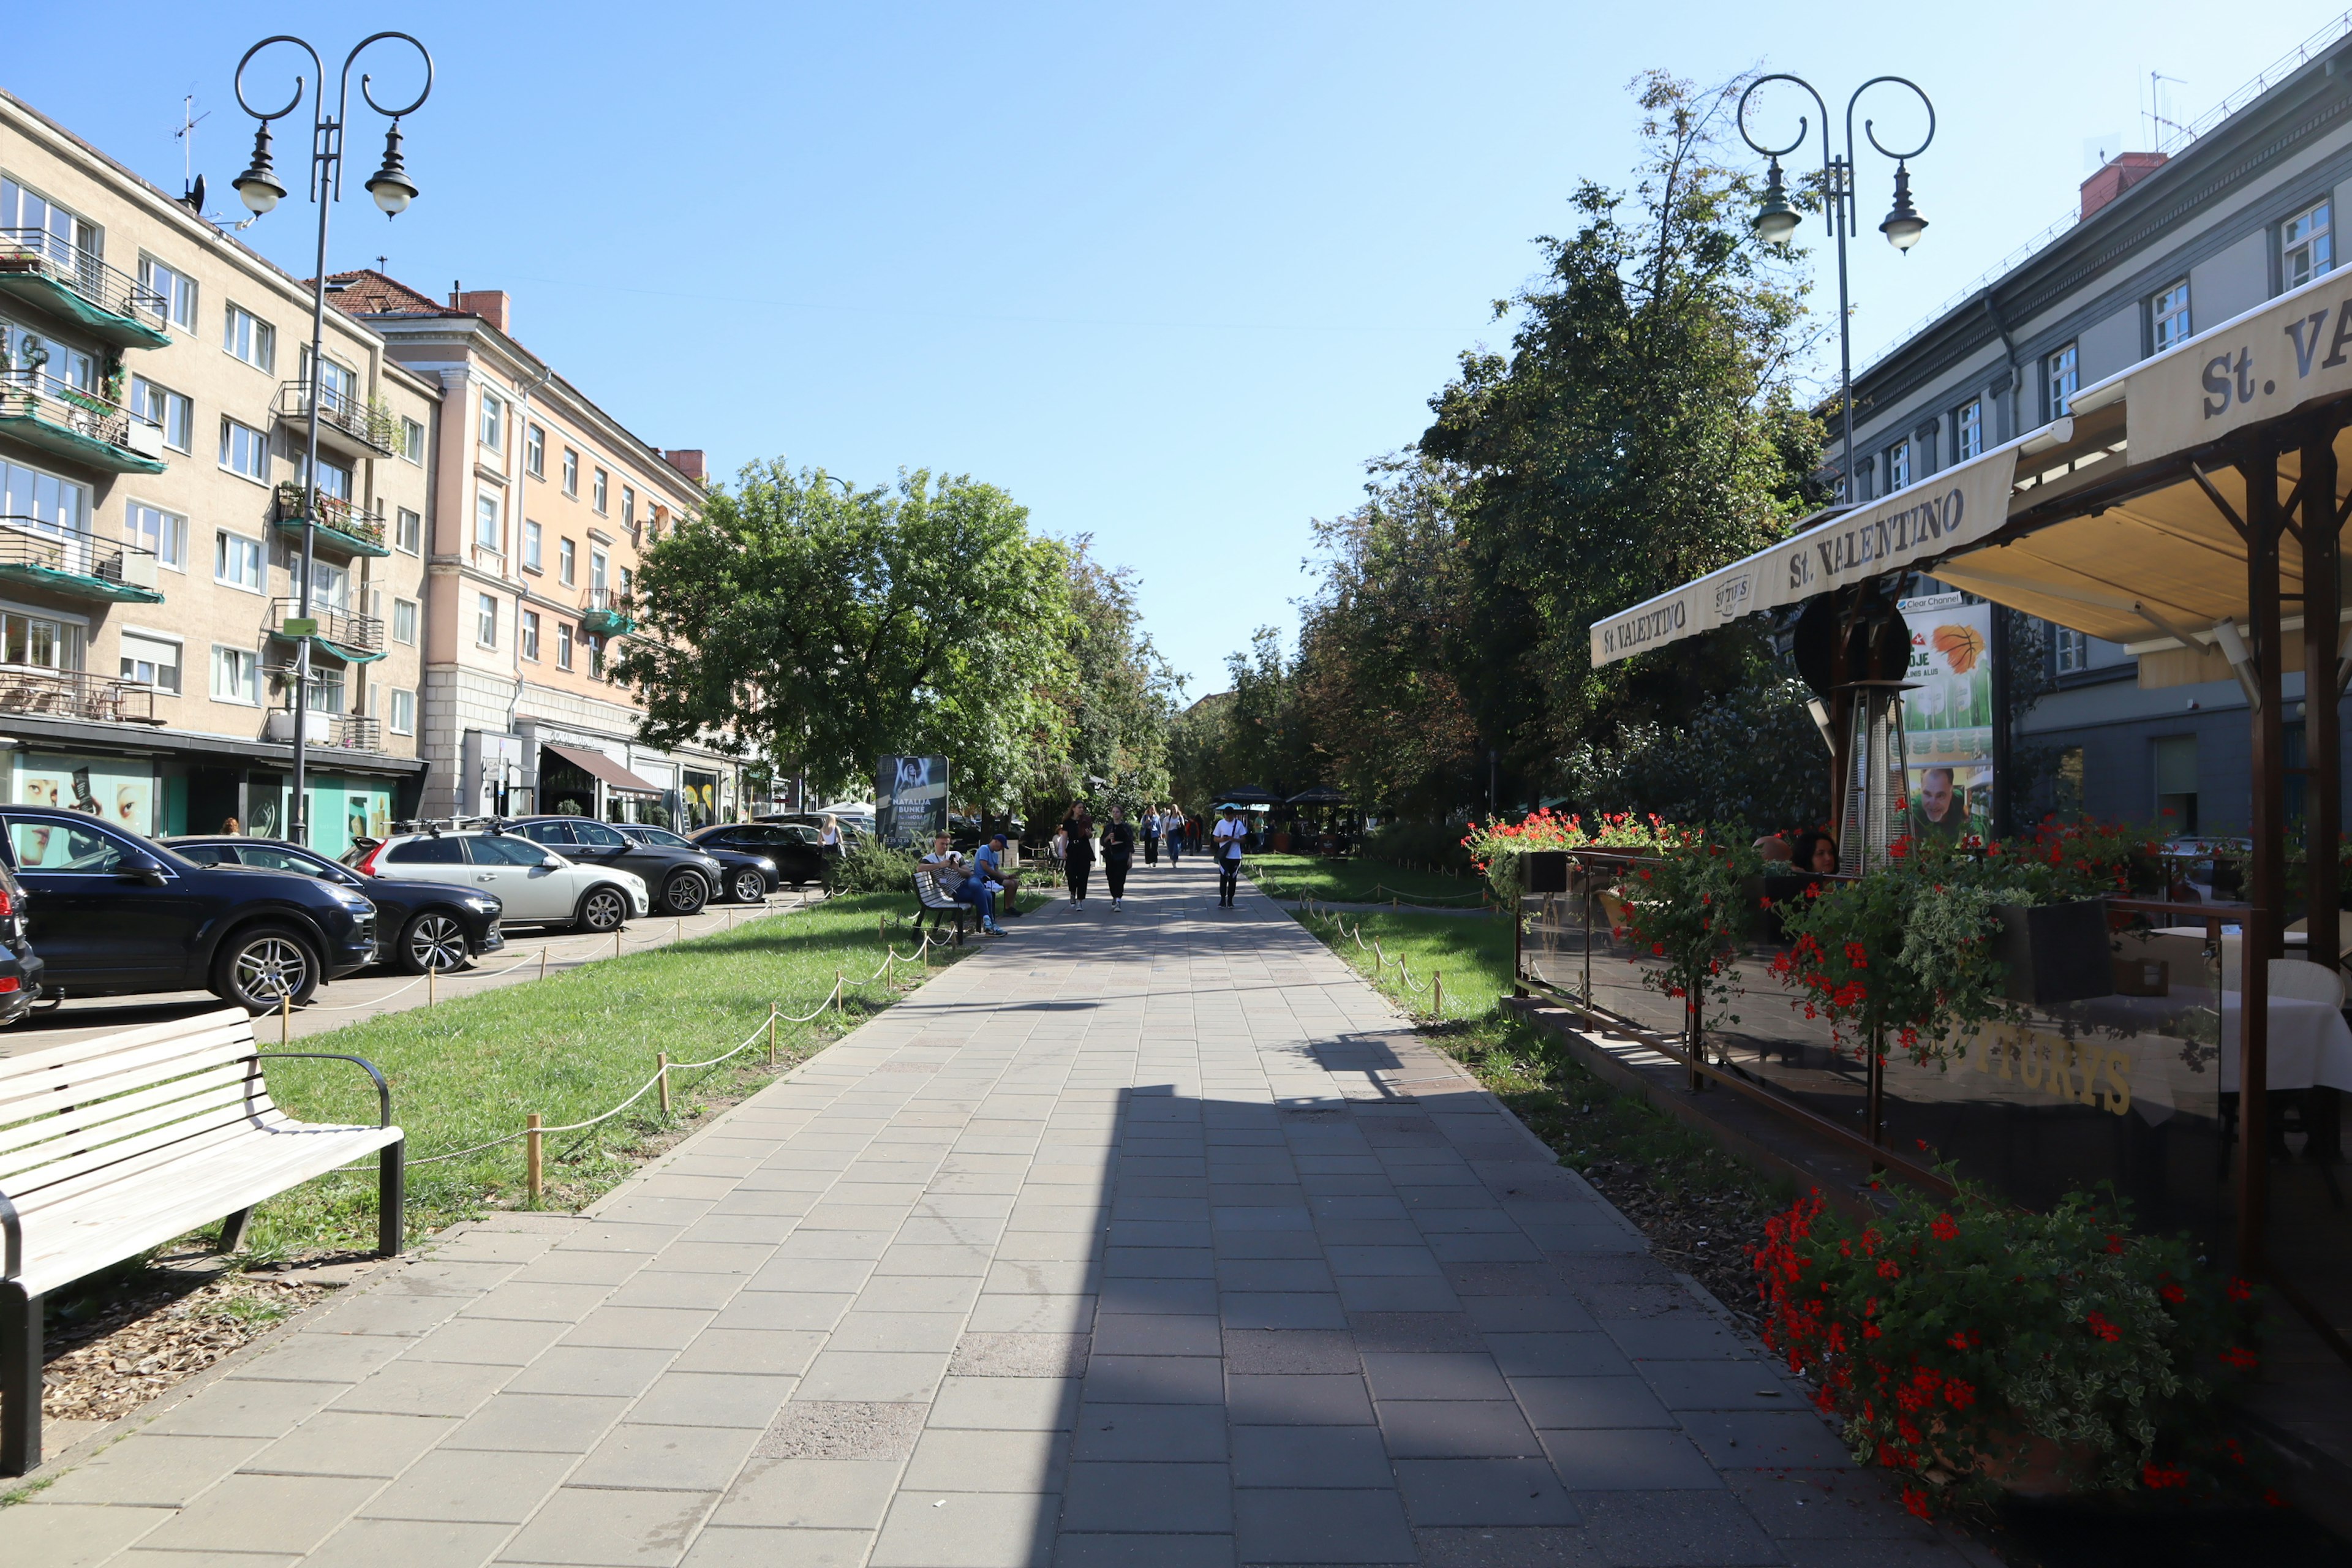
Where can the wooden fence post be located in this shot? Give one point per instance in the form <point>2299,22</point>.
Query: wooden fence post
<point>285,1016</point>
<point>534,1170</point>
<point>431,984</point>
<point>663,1073</point>
<point>1437,991</point>
<point>772,1034</point>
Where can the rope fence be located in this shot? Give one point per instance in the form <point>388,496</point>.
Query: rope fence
<point>1434,989</point>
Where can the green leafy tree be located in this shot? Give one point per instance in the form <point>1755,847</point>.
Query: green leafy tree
<point>1117,702</point>
<point>824,625</point>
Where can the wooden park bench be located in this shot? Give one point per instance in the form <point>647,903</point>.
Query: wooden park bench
<point>938,904</point>
<point>113,1146</point>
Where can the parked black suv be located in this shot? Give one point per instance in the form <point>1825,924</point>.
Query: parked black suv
<point>682,880</point>
<point>792,845</point>
<point>113,914</point>
<point>746,879</point>
<point>419,925</point>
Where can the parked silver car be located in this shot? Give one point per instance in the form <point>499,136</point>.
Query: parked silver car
<point>537,884</point>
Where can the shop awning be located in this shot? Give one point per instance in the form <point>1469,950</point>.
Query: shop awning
<point>597,766</point>
<point>1967,501</point>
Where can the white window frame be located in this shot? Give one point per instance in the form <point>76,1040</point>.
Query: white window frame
<point>401,719</point>
<point>2062,377</point>
<point>2307,244</point>
<point>486,620</point>
<point>533,542</point>
<point>492,431</point>
<point>257,443</point>
<point>489,521</point>
<point>2071,649</point>
<point>563,641</point>
<point>1898,465</point>
<point>248,339</point>
<point>178,685</point>
<point>629,509</point>
<point>571,473</point>
<point>2167,317</point>
<point>173,413</point>
<point>567,561</point>
<point>412,440</point>
<point>177,289</point>
<point>248,693</point>
<point>534,450</point>
<point>408,531</point>
<point>172,528</point>
<point>406,610</point>
<point>529,636</point>
<point>223,541</point>
<point>1968,430</point>
<point>600,491</point>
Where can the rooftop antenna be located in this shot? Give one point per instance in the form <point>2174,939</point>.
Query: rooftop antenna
<point>190,191</point>
<point>2157,124</point>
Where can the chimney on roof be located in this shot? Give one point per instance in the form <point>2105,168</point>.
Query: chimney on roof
<point>490,304</point>
<point>686,461</point>
<point>2120,173</point>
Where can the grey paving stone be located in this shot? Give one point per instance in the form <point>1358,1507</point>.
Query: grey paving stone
<point>1455,1429</point>
<point>959,1460</point>
<point>539,1301</point>
<point>1516,1546</point>
<point>894,1331</point>
<point>1879,1554</point>
<point>409,1544</point>
<point>638,1328</point>
<point>146,1470</point>
<point>1720,1385</point>
<point>1470,1279</point>
<point>784,1310</point>
<point>967,1530</point>
<point>1159,1297</point>
<point>1281,1310</point>
<point>1269,1244</point>
<point>1290,1350</point>
<point>1483,1491</point>
<point>1020,1355</point>
<point>1076,1550</point>
<point>242,1408</point>
<point>471,1487</point>
<point>1142,1497</point>
<point>1530,1314</point>
<point>344,1443</point>
<point>1191,1433</point>
<point>323,1358</point>
<point>1670,1530</point>
<point>1830,1505</point>
<point>1559,1355</point>
<point>667,1459</point>
<point>818,1276</point>
<point>1154,1380</point>
<point>1386,1262</point>
<point>1690,1335</point>
<point>1350,1457</point>
<point>842,1429</point>
<point>1592,1401</point>
<point>1414,1332</point>
<point>255,1513</point>
<point>1285,1400</point>
<point>1032,1315</point>
<point>751,1353</point>
<point>1293,1526</point>
<point>1010,1404</point>
<point>1747,1440</point>
<point>873,1375</point>
<point>1273,1274</point>
<point>1362,1293</point>
<point>1148,1333</point>
<point>1438,1375</point>
<point>720,1546</point>
<point>1596,1459</point>
<point>676,1290</point>
<point>591,1369</point>
<point>488,1341</point>
<point>80,1535</point>
<point>613,1528</point>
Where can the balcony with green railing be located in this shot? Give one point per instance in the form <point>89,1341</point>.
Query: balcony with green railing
<point>343,526</point>
<point>354,639</point>
<point>604,614</point>
<point>35,553</point>
<point>77,425</point>
<point>59,277</point>
<point>348,423</point>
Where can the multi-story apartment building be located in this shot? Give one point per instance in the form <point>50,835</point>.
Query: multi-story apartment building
<point>541,503</point>
<point>2166,244</point>
<point>152,410</point>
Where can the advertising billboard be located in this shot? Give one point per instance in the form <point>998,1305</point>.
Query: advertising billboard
<point>1947,718</point>
<point>120,790</point>
<point>910,799</point>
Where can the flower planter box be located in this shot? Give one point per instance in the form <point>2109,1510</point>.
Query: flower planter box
<point>2055,953</point>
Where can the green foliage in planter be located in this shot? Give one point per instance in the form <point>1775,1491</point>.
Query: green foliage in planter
<point>1689,907</point>
<point>1494,846</point>
<point>870,866</point>
<point>1956,1342</point>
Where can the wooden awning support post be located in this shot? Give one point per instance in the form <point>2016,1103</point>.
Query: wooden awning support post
<point>2321,752</point>
<point>2261,939</point>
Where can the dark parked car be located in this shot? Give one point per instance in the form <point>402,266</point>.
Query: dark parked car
<point>113,914</point>
<point>793,845</point>
<point>682,880</point>
<point>743,878</point>
<point>419,925</point>
<point>20,966</point>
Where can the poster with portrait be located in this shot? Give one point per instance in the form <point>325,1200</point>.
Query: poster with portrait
<point>1948,716</point>
<point>910,799</point>
<point>120,790</point>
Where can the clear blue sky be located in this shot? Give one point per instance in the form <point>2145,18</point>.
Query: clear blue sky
<point>1167,274</point>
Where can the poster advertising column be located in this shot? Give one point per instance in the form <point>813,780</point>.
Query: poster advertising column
<point>910,799</point>
<point>1947,719</point>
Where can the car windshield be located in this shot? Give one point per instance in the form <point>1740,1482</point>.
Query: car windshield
<point>661,835</point>
<point>271,858</point>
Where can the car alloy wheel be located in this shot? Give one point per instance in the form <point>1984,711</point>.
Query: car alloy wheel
<point>751,888</point>
<point>268,968</point>
<point>685,893</point>
<point>604,909</point>
<point>434,941</point>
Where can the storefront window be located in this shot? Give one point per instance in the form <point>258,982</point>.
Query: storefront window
<point>700,799</point>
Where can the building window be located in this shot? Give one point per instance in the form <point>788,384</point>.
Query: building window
<point>1968,430</point>
<point>531,635</point>
<point>249,337</point>
<point>531,537</point>
<point>602,490</point>
<point>2168,311</point>
<point>2071,648</point>
<point>598,563</point>
<point>489,532</point>
<point>162,405</point>
<point>2062,377</point>
<point>237,561</point>
<point>2307,245</point>
<point>571,472</point>
<point>165,532</point>
<point>494,423</point>
<point>2175,760</point>
<point>1898,465</point>
<point>564,645</point>
<point>334,479</point>
<point>49,502</point>
<point>37,640</point>
<point>412,440</point>
<point>486,620</point>
<point>236,676</point>
<point>629,510</point>
<point>408,534</point>
<point>596,658</point>
<point>151,661</point>
<point>244,451</point>
<point>174,292</point>
<point>567,561</point>
<point>404,620</point>
<point>534,451</point>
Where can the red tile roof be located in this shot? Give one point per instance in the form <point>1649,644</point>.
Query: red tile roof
<point>368,292</point>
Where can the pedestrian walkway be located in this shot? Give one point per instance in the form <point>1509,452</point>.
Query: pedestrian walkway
<point>1143,1238</point>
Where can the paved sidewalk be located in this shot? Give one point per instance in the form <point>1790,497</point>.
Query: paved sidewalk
<point>1139,1240</point>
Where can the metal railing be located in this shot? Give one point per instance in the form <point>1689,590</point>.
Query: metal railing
<point>37,394</point>
<point>345,517</point>
<point>30,541</point>
<point>370,425</point>
<point>605,612</point>
<point>110,289</point>
<point>34,691</point>
<point>354,732</point>
<point>363,634</point>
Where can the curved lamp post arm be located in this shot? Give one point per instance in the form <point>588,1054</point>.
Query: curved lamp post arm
<point>342,106</point>
<point>1829,209</point>
<point>1869,127</point>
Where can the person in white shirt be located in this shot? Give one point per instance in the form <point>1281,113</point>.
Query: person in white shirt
<point>1227,841</point>
<point>1150,825</point>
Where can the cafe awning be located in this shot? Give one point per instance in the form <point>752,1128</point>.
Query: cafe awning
<point>597,766</point>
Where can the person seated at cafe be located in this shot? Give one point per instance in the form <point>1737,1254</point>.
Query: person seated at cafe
<point>1815,852</point>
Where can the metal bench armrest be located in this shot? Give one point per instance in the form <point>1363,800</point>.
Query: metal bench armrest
<point>383,1089</point>
<point>12,1241</point>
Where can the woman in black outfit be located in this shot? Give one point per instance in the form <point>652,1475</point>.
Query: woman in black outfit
<point>1080,860</point>
<point>1118,852</point>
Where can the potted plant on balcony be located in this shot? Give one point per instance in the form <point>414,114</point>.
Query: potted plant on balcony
<point>1975,1349</point>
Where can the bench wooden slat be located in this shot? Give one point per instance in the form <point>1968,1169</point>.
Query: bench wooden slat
<point>177,1035</point>
<point>21,1145</point>
<point>229,1112</point>
<point>33,1096</point>
<point>132,1185</point>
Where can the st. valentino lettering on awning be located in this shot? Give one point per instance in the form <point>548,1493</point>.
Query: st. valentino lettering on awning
<point>1913,525</point>
<point>2267,363</point>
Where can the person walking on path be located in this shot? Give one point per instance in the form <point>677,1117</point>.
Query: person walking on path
<point>1118,852</point>
<point>1171,827</point>
<point>1150,836</point>
<point>1077,854</point>
<point>1228,836</point>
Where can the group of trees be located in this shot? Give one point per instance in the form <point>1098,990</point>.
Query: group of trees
<point>820,625</point>
<point>1642,429</point>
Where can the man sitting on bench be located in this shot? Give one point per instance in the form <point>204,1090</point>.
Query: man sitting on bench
<point>988,859</point>
<point>966,885</point>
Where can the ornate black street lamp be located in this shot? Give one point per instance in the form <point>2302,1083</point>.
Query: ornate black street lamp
<point>1776,222</point>
<point>259,189</point>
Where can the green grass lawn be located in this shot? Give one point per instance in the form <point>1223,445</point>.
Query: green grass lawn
<point>571,1048</point>
<point>1361,881</point>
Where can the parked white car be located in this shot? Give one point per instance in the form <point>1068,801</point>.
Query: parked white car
<point>538,886</point>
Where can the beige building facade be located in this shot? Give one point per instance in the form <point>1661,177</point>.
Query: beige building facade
<point>541,503</point>
<point>152,418</point>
